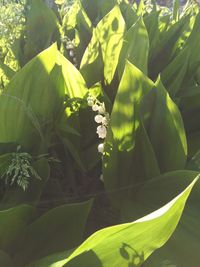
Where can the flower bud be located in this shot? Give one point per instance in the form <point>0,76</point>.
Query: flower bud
<point>101,178</point>
<point>90,101</point>
<point>102,109</point>
<point>71,53</point>
<point>104,121</point>
<point>101,148</point>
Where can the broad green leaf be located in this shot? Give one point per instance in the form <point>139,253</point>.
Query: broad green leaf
<point>190,107</point>
<point>32,96</point>
<point>165,52</point>
<point>161,189</point>
<point>22,129</point>
<point>92,59</point>
<point>193,41</point>
<point>129,14</point>
<point>128,152</point>
<point>59,229</point>
<point>131,243</point>
<point>42,29</point>
<point>165,129</point>
<point>96,9</point>
<point>84,31</point>
<point>74,82</point>
<point>106,6</point>
<point>36,94</point>
<point>186,237</point>
<point>135,47</point>
<point>152,27</point>
<point>173,75</point>
<point>110,31</point>
<point>124,120</point>
<point>12,223</point>
<point>177,74</point>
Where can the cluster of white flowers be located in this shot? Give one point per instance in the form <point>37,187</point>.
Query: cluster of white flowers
<point>101,118</point>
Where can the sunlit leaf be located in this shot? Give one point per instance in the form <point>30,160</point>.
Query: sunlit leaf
<point>131,243</point>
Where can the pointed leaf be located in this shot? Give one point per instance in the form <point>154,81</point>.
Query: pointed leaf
<point>131,243</point>
<point>110,31</point>
<point>135,47</point>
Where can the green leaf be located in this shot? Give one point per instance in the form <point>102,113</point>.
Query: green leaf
<point>124,118</point>
<point>185,240</point>
<point>135,47</point>
<point>96,9</point>
<point>70,19</point>
<point>36,94</point>
<point>74,83</point>
<point>165,129</point>
<point>32,96</point>
<point>131,243</point>
<point>176,7</point>
<point>91,8</point>
<point>128,152</point>
<point>12,223</point>
<point>179,73</point>
<point>193,139</point>
<point>42,29</point>
<point>166,49</point>
<point>92,59</point>
<point>59,229</point>
<point>141,8</point>
<point>129,14</point>
<point>84,28</point>
<point>7,71</point>
<point>110,31</point>
<point>152,27</point>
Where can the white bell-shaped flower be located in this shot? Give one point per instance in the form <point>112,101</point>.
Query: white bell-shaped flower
<point>101,131</point>
<point>98,118</point>
<point>95,107</point>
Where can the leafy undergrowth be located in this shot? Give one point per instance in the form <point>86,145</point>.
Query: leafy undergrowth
<point>99,126</point>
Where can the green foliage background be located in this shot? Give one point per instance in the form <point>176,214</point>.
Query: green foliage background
<point>142,62</point>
